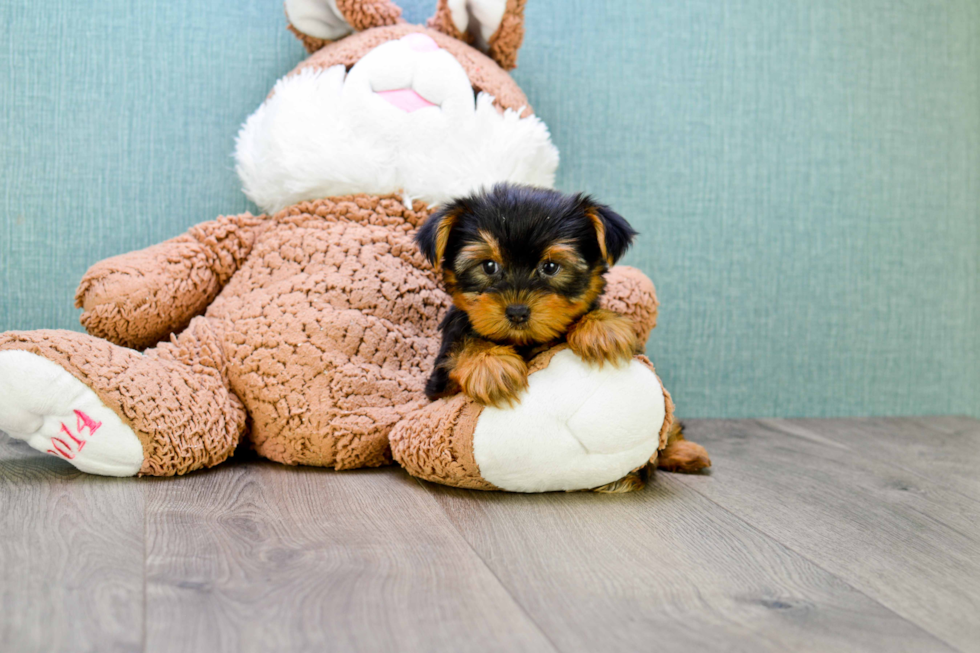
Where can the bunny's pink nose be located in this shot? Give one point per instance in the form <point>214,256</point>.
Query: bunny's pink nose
<point>420,42</point>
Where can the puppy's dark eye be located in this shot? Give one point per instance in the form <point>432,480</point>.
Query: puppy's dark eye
<point>490,268</point>
<point>550,268</point>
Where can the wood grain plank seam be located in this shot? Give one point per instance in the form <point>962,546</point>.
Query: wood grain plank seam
<point>483,562</point>
<point>774,425</point>
<point>923,420</point>
<point>780,543</point>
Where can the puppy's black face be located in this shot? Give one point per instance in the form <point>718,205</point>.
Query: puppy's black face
<point>524,263</point>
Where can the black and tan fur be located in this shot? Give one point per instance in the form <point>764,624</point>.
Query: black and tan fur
<point>525,269</point>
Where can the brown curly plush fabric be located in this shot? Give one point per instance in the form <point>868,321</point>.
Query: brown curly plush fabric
<point>436,443</point>
<point>668,424</point>
<point>311,332</point>
<point>360,14</point>
<point>631,293</point>
<point>319,332</point>
<point>174,399</point>
<point>365,14</point>
<point>505,41</point>
<point>329,329</point>
<point>123,296</point>
<point>442,21</point>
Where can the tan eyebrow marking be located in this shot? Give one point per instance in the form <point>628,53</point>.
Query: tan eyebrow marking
<point>564,253</point>
<point>493,244</point>
<point>488,249</point>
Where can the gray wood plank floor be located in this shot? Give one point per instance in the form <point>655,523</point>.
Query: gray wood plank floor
<point>807,535</point>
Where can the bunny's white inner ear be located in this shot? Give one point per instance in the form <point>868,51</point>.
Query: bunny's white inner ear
<point>318,18</point>
<point>481,18</point>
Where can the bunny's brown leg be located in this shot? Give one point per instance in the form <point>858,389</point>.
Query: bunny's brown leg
<point>112,411</point>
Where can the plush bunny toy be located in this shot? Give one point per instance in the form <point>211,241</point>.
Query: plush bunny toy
<point>310,330</point>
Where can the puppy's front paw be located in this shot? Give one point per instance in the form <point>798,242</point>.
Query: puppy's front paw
<point>602,336</point>
<point>493,375</point>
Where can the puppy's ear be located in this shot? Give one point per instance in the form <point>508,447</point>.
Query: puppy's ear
<point>614,233</point>
<point>433,236</point>
<point>318,22</point>
<point>493,26</point>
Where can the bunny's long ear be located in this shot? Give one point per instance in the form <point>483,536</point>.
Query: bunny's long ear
<point>494,26</point>
<point>318,22</point>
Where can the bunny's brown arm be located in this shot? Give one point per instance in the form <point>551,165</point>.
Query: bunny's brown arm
<point>630,293</point>
<point>139,298</point>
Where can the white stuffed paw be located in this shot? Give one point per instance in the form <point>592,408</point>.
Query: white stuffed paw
<point>577,427</point>
<point>57,414</point>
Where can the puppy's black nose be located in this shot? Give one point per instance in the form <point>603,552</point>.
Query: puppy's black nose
<point>518,313</point>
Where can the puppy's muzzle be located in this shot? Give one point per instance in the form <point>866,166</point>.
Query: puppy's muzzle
<point>518,313</point>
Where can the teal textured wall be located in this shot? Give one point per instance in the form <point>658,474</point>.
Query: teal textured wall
<point>805,174</point>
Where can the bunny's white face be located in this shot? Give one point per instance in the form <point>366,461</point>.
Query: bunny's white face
<point>405,119</point>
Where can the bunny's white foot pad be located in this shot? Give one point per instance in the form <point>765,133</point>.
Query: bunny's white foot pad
<point>577,427</point>
<point>57,414</point>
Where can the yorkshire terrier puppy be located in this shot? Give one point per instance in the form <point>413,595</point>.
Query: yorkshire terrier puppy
<point>525,270</point>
